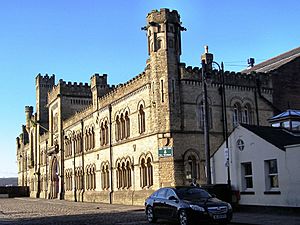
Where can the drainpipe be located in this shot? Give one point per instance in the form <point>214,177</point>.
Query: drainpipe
<point>110,157</point>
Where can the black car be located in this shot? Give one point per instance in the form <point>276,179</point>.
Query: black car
<point>187,205</point>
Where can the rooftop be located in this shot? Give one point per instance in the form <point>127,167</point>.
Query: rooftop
<point>277,136</point>
<point>274,63</point>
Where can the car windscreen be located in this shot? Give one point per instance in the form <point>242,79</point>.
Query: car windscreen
<point>192,194</point>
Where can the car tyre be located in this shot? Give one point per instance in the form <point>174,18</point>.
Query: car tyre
<point>183,218</point>
<point>150,215</point>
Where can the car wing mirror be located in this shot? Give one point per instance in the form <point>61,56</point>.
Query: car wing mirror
<point>213,195</point>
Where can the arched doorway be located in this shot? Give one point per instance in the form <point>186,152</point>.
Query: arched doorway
<point>54,179</point>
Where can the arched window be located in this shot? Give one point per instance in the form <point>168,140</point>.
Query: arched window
<point>86,140</point>
<point>94,178</point>
<point>118,129</point>
<point>146,173</point>
<point>127,125</point>
<point>128,176</point>
<point>106,133</point>
<point>105,176</point>
<point>122,126</point>
<point>119,176</point>
<point>123,180</point>
<point>236,116</point>
<point>143,173</point>
<point>192,166</point>
<point>102,135</point>
<point>247,114</point>
<point>201,116</point>
<point>142,126</point>
<point>149,172</point>
<point>92,138</point>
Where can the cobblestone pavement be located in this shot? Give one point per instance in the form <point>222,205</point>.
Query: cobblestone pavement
<point>29,211</point>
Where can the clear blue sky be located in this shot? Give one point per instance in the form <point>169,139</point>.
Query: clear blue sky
<point>75,39</point>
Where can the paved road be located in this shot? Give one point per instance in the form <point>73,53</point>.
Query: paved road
<point>27,211</point>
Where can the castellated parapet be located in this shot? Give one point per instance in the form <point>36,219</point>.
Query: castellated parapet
<point>164,15</point>
<point>230,78</point>
<point>70,89</point>
<point>121,90</point>
<point>45,80</point>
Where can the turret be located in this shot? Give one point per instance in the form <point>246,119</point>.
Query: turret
<point>164,47</point>
<point>163,32</point>
<point>99,87</point>
<point>43,85</point>
<point>28,115</point>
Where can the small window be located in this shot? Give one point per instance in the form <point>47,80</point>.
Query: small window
<point>271,174</point>
<point>247,176</point>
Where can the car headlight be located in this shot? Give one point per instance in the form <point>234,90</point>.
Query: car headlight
<point>197,208</point>
<point>229,207</point>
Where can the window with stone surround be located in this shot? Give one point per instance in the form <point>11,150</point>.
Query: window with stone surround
<point>201,116</point>
<point>105,176</point>
<point>118,129</point>
<point>90,177</point>
<point>123,174</point>
<point>146,172</point>
<point>247,114</point>
<point>141,119</point>
<point>103,134</point>
<point>68,180</point>
<point>191,165</point>
<point>236,114</point>
<point>127,125</point>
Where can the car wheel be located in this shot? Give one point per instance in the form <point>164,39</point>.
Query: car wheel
<point>183,218</point>
<point>150,215</point>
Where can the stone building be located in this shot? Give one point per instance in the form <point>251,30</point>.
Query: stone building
<point>117,144</point>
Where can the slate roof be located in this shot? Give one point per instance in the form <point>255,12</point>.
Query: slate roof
<point>275,62</point>
<point>277,136</point>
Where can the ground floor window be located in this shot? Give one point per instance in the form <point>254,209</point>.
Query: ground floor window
<point>90,177</point>
<point>247,176</point>
<point>105,176</point>
<point>271,174</point>
<point>68,180</point>
<point>146,172</point>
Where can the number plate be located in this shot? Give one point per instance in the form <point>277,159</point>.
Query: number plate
<point>222,216</point>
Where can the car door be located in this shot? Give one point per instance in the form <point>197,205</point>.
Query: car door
<point>159,203</point>
<point>171,204</point>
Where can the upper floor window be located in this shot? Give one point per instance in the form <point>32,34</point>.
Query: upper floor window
<point>118,129</point>
<point>141,119</point>
<point>122,126</point>
<point>201,113</point>
<point>127,125</point>
<point>236,116</point>
<point>247,114</point>
<point>104,133</point>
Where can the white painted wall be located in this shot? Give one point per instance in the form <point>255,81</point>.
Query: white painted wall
<point>256,151</point>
